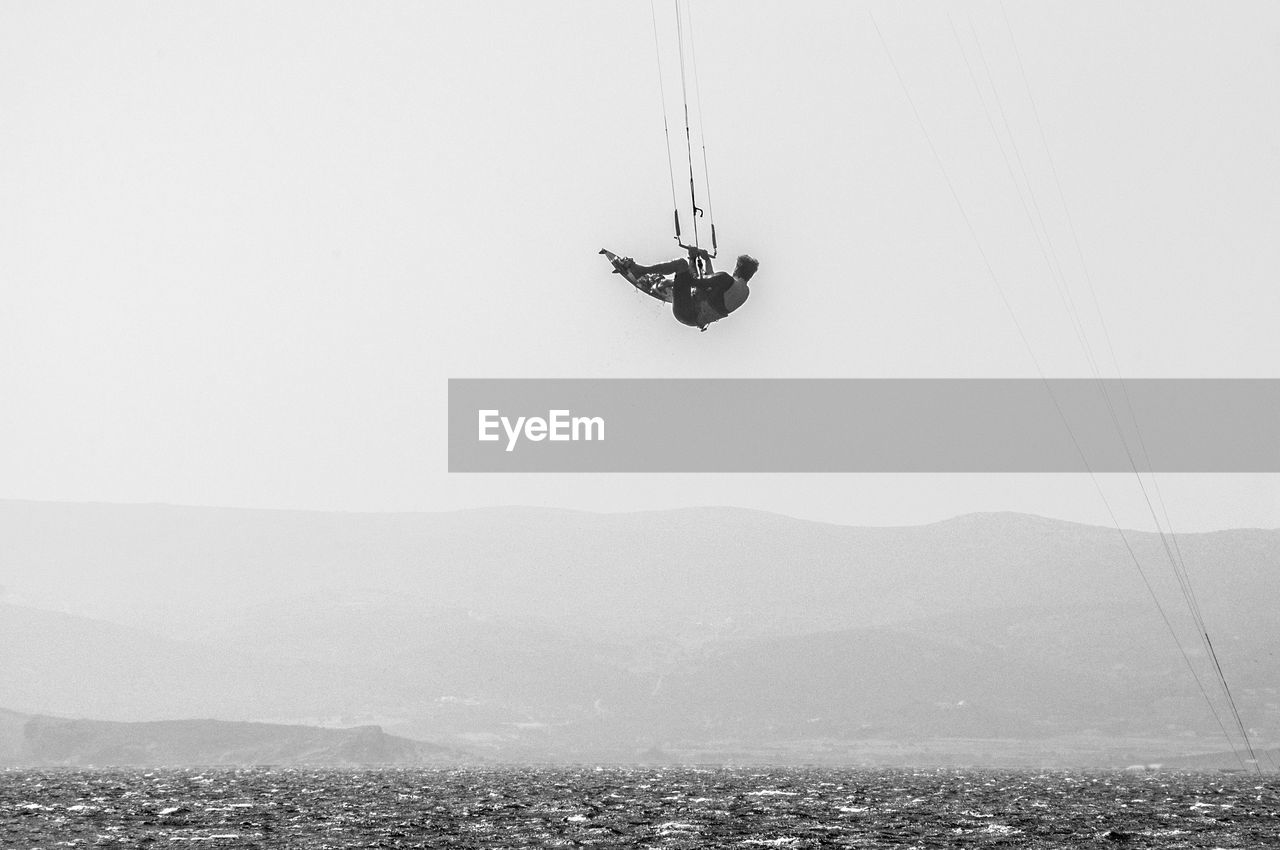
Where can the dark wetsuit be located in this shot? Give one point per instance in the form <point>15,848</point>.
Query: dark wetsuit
<point>698,301</point>
<point>718,296</point>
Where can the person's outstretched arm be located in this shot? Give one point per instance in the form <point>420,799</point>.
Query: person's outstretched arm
<point>702,258</point>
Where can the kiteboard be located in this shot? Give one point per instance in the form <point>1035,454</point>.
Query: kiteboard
<point>653,285</point>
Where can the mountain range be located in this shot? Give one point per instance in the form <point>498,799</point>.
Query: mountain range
<point>36,741</point>
<point>710,634</point>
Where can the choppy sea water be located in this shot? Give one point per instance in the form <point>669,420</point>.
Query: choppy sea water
<point>643,807</point>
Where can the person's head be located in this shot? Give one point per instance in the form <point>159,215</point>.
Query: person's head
<point>746,267</point>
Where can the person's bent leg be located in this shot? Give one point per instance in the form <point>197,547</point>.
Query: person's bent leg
<point>683,306</point>
<point>671,267</point>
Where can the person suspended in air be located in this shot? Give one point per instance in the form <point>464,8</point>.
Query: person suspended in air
<point>698,294</point>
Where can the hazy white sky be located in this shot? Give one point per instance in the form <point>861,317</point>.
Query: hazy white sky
<point>243,247</point>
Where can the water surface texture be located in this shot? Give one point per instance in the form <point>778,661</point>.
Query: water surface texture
<point>643,807</point>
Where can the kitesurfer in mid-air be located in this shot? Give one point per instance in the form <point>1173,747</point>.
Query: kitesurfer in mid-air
<point>699,301</point>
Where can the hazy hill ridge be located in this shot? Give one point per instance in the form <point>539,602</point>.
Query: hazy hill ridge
<point>558,634</point>
<point>681,569</point>
<point>36,741</point>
